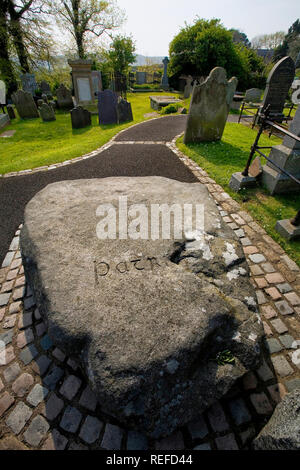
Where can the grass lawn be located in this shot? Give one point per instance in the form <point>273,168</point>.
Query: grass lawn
<point>221,159</point>
<point>37,143</point>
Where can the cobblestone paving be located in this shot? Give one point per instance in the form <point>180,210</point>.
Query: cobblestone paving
<point>46,403</point>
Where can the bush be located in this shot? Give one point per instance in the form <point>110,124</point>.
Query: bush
<point>171,108</point>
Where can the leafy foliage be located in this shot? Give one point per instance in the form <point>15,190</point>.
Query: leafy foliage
<point>121,54</point>
<point>225,357</point>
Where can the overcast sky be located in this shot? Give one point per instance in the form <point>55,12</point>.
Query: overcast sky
<point>154,23</point>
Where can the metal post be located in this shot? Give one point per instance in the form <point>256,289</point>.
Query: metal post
<point>296,220</point>
<point>253,150</point>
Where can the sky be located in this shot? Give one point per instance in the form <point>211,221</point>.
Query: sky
<point>154,23</point>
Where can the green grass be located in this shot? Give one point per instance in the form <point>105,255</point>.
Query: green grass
<point>37,143</point>
<point>221,159</point>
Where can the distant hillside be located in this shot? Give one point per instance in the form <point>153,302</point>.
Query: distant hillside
<point>144,60</point>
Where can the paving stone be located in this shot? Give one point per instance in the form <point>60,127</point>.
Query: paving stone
<point>245,241</point>
<point>58,354</point>
<point>70,387</point>
<point>202,447</point>
<point>198,429</point>
<point>290,263</point>
<point>5,402</point>
<point>265,372</point>
<point>88,399</point>
<point>274,278</point>
<point>6,355</point>
<point>25,320</point>
<point>273,293</point>
<point>112,437</point>
<point>277,392</point>
<point>37,314</point>
<point>53,407</point>
<point>6,337</point>
<point>20,282</point>
<point>227,442</point>
<point>1,385</point>
<point>261,299</point>
<point>22,384</point>
<point>28,354</point>
<point>284,288</point>
<point>261,282</point>
<point>2,313</point>
<point>173,442</point>
<point>268,268</point>
<point>12,274</point>
<point>11,443</point>
<point>233,226</point>
<point>268,312</point>
<point>293,384</point>
<point>284,308</point>
<point>239,411</point>
<point>40,329</point>
<point>15,307</point>
<point>261,403</point>
<point>55,441</point>
<point>250,250</point>
<point>46,343</point>
<point>282,366</point>
<point>240,233</point>
<point>279,326</point>
<point>77,446</point>
<point>287,341</point>
<point>217,418</point>
<point>71,419</point>
<point>18,417</point>
<point>238,219</point>
<point>7,286</point>
<point>273,345</point>
<point>90,430</point>
<point>136,441</point>
<point>293,298</point>
<point>257,258</point>
<point>256,270</point>
<point>73,364</point>
<point>249,381</point>
<point>9,321</point>
<point>248,435</point>
<point>24,338</point>
<point>267,329</point>
<point>53,377</point>
<point>8,259</point>
<point>37,429</point>
<point>18,293</point>
<point>16,264</point>
<point>41,365</point>
<point>29,302</point>
<point>37,395</point>
<point>4,299</point>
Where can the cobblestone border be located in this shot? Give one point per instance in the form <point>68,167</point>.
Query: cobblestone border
<point>45,401</point>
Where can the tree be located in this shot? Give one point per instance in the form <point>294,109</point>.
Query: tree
<point>121,54</point>
<point>86,18</point>
<point>289,44</point>
<point>268,41</point>
<point>6,67</point>
<point>240,38</point>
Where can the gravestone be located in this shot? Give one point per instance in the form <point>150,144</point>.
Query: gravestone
<point>45,87</point>
<point>279,82</point>
<point>97,82</point>
<point>45,98</point>
<point>40,102</point>
<point>2,93</point>
<point>209,107</point>
<point>145,314</point>
<point>64,98</point>
<point>11,111</point>
<point>140,78</point>
<point>25,104</point>
<point>82,80</point>
<point>188,87</point>
<point>47,112</point>
<point>107,107</point>
<point>286,156</point>
<point>164,80</point>
<point>253,95</point>
<point>4,119</point>
<point>80,117</point>
<point>124,111</point>
<point>28,83</point>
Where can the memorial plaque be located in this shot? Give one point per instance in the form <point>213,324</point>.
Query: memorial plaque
<point>84,89</point>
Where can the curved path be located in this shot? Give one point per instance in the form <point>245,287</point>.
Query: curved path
<point>142,159</point>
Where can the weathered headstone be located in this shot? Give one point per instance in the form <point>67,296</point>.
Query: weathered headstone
<point>45,87</point>
<point>188,87</point>
<point>25,104</point>
<point>165,80</point>
<point>82,80</point>
<point>97,81</point>
<point>124,111</point>
<point>140,78</point>
<point>209,107</point>
<point>279,82</point>
<point>147,315</point>
<point>28,83</point>
<point>253,95</point>
<point>11,111</point>
<point>47,112</point>
<point>4,120</point>
<point>80,117</point>
<point>2,92</point>
<point>64,98</point>
<point>107,107</point>
<point>40,102</point>
<point>45,98</point>
<point>286,156</point>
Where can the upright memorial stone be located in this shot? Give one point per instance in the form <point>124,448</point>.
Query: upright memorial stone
<point>210,107</point>
<point>188,87</point>
<point>2,93</point>
<point>253,95</point>
<point>25,104</point>
<point>97,82</point>
<point>80,117</point>
<point>47,112</point>
<point>82,80</point>
<point>279,82</point>
<point>64,98</point>
<point>140,78</point>
<point>11,111</point>
<point>45,87</point>
<point>124,111</point>
<point>165,81</point>
<point>28,83</point>
<point>107,107</point>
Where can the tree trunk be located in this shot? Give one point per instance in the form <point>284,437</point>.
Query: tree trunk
<point>77,29</point>
<point>17,34</point>
<point>6,68</point>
